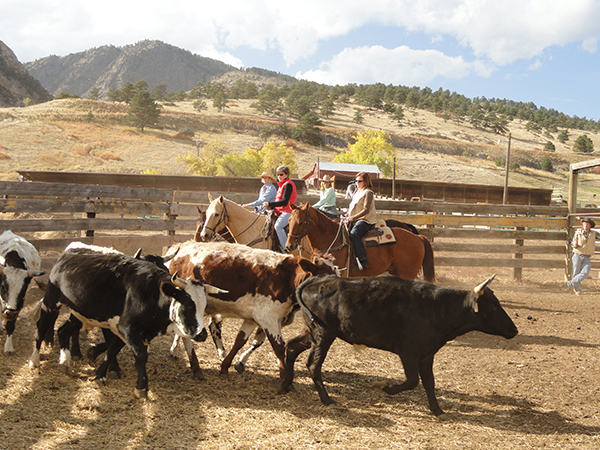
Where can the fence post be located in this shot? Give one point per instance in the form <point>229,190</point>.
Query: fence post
<point>518,271</point>
<point>171,231</point>
<point>90,213</point>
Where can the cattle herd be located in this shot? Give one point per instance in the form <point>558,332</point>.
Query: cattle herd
<point>133,299</point>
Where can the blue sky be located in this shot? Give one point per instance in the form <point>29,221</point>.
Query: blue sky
<point>540,51</point>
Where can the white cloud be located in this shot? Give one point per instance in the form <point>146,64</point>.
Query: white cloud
<point>400,65</point>
<point>500,31</point>
<point>536,65</point>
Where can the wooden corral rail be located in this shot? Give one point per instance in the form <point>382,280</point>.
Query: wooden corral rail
<point>52,215</point>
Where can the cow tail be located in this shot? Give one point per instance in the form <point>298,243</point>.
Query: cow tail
<point>303,305</point>
<point>428,262</point>
<point>35,312</point>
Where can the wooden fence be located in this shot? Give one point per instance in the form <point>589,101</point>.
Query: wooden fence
<point>51,215</point>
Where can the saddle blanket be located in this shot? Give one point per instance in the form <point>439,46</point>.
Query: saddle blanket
<point>380,234</point>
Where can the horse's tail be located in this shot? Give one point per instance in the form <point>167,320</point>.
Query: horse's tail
<point>427,265</point>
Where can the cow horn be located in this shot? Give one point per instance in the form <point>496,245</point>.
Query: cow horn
<point>35,273</point>
<point>210,289</point>
<point>177,281</point>
<point>168,258</point>
<point>479,289</point>
<point>138,254</point>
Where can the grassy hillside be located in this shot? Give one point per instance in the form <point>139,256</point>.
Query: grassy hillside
<point>85,135</point>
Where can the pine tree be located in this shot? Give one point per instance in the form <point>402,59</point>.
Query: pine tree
<point>143,110</point>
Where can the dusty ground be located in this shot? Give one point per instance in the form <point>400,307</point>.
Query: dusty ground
<point>538,390</point>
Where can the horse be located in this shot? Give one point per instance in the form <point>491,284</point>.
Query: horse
<point>405,258</point>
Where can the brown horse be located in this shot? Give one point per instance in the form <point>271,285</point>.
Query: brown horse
<point>404,258</point>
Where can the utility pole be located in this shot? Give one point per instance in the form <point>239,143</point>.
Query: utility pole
<point>394,179</point>
<point>505,194</point>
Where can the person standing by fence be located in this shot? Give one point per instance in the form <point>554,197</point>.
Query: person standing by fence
<point>584,246</point>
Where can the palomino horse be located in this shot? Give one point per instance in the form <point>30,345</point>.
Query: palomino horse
<point>404,258</point>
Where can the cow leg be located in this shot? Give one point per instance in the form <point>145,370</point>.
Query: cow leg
<point>114,347</point>
<point>245,331</point>
<point>193,359</point>
<point>293,349</point>
<point>322,340</point>
<point>140,352</point>
<point>411,371</point>
<point>45,322</point>
<point>113,369</point>
<point>259,339</point>
<point>174,346</point>
<point>68,329</point>
<point>9,325</point>
<point>426,372</point>
<point>215,326</point>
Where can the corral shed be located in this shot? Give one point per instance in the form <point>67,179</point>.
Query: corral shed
<point>341,171</point>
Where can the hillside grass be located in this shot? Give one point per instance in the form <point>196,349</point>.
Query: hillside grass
<point>86,135</point>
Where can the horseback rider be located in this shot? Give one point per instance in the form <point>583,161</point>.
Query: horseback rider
<point>361,216</point>
<point>267,193</point>
<point>286,194</point>
<point>327,198</point>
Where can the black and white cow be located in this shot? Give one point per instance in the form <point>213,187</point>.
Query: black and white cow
<point>412,319</point>
<point>134,299</point>
<point>19,263</point>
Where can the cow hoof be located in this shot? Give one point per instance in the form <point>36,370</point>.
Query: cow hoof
<point>198,375</point>
<point>141,393</point>
<point>114,375</point>
<point>9,353</point>
<point>100,381</point>
<point>64,369</point>
<point>443,417</point>
<point>239,367</point>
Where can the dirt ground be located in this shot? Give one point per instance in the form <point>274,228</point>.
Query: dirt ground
<point>538,390</point>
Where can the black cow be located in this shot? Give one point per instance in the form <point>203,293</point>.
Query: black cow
<point>134,299</point>
<point>412,319</point>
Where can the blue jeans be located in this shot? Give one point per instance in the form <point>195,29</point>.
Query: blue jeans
<point>356,234</point>
<point>581,270</point>
<point>280,224</point>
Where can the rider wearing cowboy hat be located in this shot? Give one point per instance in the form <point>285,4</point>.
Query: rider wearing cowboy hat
<point>584,244</point>
<point>327,199</point>
<point>267,192</point>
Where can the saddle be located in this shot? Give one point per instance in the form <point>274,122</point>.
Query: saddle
<point>379,234</point>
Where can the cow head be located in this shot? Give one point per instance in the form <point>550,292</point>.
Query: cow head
<point>216,219</point>
<point>14,281</point>
<point>187,306</point>
<point>306,269</point>
<point>491,318</point>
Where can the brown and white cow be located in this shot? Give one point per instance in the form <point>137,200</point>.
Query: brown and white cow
<point>260,283</point>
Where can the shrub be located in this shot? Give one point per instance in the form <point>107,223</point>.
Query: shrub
<point>514,166</point>
<point>150,172</point>
<point>583,144</point>
<point>549,146</point>
<point>547,164</point>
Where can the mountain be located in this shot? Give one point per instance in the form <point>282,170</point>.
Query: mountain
<point>110,67</point>
<point>16,84</point>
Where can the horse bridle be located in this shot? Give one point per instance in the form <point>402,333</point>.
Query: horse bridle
<point>304,230</point>
<point>224,216</point>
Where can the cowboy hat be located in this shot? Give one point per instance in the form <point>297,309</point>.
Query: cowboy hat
<point>590,221</point>
<point>327,179</point>
<point>267,174</point>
